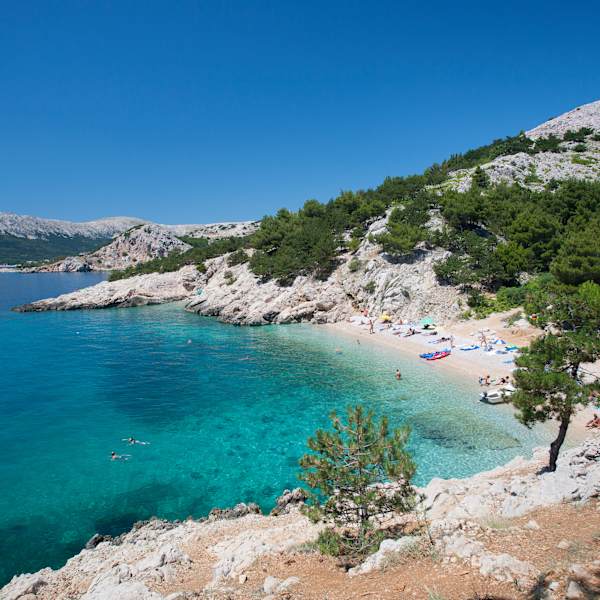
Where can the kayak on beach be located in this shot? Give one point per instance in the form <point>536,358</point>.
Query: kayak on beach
<point>436,355</point>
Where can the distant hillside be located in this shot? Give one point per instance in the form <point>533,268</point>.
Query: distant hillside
<point>25,238</point>
<point>16,250</point>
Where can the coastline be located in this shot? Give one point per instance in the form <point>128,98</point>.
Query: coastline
<point>469,365</point>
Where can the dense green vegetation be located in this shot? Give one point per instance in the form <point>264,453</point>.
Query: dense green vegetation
<point>495,233</point>
<point>343,469</point>
<point>17,250</point>
<point>202,249</point>
<point>549,379</point>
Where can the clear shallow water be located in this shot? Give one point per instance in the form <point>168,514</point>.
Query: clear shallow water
<point>227,416</point>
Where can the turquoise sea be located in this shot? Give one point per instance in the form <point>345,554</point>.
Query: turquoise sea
<point>226,410</point>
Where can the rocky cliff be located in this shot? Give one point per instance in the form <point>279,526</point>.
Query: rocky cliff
<point>367,279</point>
<point>216,558</point>
<point>132,247</point>
<point>407,289</point>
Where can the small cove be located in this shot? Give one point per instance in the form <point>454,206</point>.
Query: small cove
<point>227,411</point>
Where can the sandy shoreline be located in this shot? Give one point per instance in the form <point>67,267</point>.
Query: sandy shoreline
<point>471,365</point>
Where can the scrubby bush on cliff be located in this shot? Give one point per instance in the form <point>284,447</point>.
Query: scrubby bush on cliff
<point>238,257</point>
<point>346,469</point>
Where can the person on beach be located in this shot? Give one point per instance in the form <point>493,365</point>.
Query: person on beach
<point>487,380</point>
<point>371,330</point>
<point>398,375</point>
<point>594,423</point>
<point>452,341</point>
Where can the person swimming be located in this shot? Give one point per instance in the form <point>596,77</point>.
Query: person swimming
<point>131,441</point>
<point>398,375</point>
<point>115,456</point>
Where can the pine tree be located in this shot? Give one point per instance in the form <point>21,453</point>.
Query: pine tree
<point>480,179</point>
<point>348,467</point>
<point>549,379</point>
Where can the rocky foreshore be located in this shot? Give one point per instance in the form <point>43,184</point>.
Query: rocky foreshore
<point>211,558</point>
<point>154,288</point>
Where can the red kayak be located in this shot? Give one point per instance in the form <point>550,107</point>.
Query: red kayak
<point>438,355</point>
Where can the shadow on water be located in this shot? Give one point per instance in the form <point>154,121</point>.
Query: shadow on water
<point>461,432</point>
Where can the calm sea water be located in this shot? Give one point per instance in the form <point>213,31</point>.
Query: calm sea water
<point>226,410</point>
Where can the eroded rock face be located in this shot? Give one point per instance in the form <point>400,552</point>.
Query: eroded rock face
<point>406,289</point>
<point>236,295</point>
<point>289,501</point>
<point>133,247</point>
<point>154,288</point>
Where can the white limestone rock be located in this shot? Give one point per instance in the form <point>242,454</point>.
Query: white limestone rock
<point>153,288</point>
<point>535,171</point>
<point>132,247</point>
<point>24,584</point>
<point>386,548</point>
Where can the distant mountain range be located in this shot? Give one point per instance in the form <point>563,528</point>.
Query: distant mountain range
<point>25,238</point>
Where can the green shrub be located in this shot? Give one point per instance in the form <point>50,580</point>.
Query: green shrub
<point>354,265</point>
<point>330,543</point>
<point>578,135</point>
<point>370,287</point>
<point>237,258</point>
<point>580,148</point>
<point>344,468</point>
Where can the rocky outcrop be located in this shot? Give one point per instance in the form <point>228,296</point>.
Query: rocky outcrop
<point>236,295</point>
<point>154,288</point>
<point>516,489</point>
<point>216,230</point>
<point>535,171</point>
<point>133,247</point>
<point>407,289</point>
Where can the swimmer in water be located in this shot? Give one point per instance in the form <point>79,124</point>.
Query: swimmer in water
<point>131,441</point>
<point>398,375</point>
<point>115,456</point>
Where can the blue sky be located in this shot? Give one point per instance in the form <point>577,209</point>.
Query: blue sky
<point>204,111</point>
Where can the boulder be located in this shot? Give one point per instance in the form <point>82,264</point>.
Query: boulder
<point>239,510</point>
<point>23,585</point>
<point>289,500</point>
<point>386,549</point>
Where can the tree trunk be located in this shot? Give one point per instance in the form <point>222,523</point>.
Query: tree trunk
<point>558,442</point>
